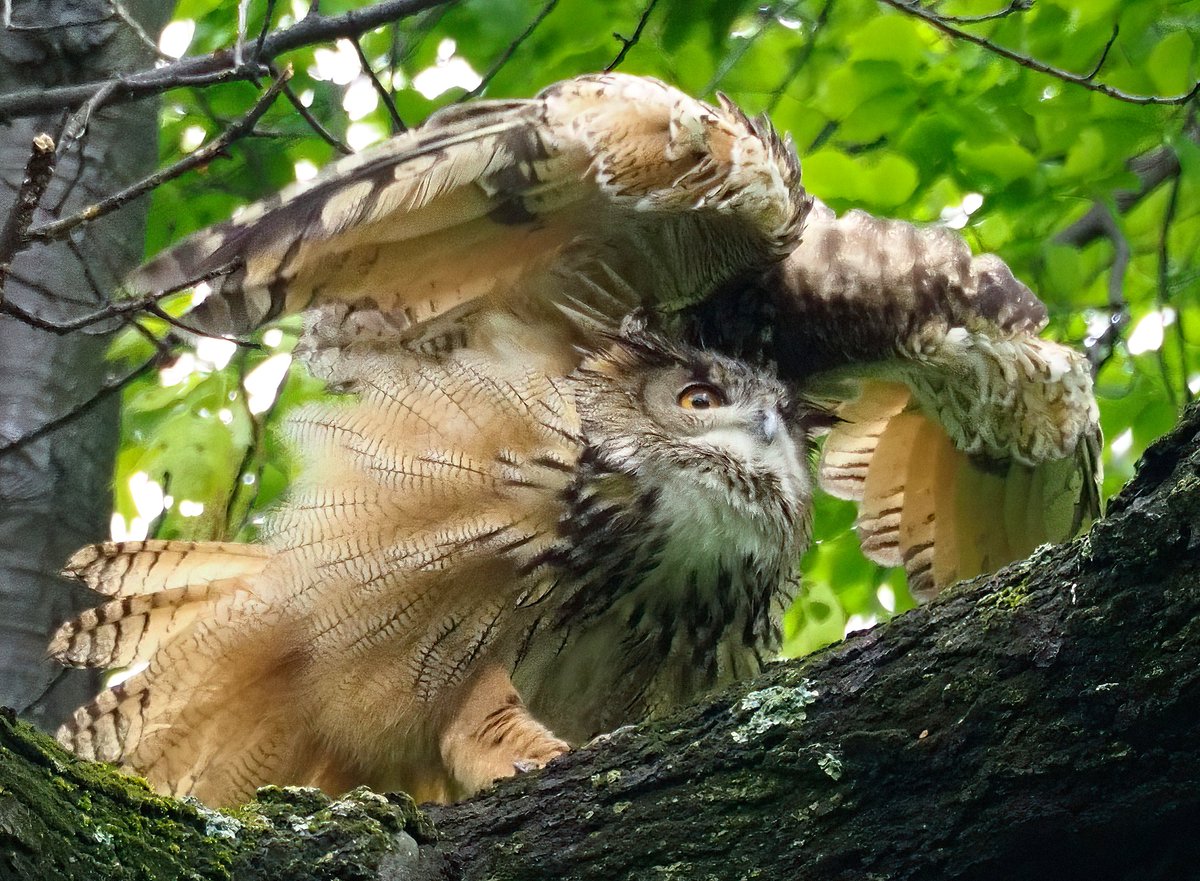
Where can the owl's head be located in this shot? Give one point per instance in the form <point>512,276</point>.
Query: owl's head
<point>679,416</point>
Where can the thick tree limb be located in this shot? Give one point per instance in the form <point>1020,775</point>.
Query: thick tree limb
<point>1041,723</point>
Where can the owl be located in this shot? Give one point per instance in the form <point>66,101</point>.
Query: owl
<point>529,526</point>
<point>479,564</point>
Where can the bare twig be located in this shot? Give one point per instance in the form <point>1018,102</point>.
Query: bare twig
<point>104,392</point>
<point>38,171</point>
<point>264,30</point>
<point>946,26</point>
<point>384,94</point>
<point>1104,53</point>
<point>314,123</point>
<point>508,53</point>
<point>801,57</point>
<point>632,40</point>
<point>1164,293</point>
<point>767,15</point>
<point>200,156</point>
<point>217,67</point>
<point>1152,169</point>
<point>75,129</point>
<point>134,25</point>
<point>1102,348</point>
<point>185,72</point>
<point>1013,6</point>
<point>119,309</point>
<point>158,312</point>
<point>239,42</point>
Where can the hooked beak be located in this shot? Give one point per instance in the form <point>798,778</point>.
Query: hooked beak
<point>768,425</point>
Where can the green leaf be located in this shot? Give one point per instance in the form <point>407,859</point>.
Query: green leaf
<point>1172,63</point>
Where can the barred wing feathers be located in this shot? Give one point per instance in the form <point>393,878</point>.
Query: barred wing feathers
<point>965,438</point>
<point>613,190</point>
<point>386,577</point>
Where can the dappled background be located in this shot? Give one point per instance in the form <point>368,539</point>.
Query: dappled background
<point>1093,200</point>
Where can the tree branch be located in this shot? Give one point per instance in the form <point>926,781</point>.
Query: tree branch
<point>384,95</point>
<point>1152,169</point>
<point>628,43</point>
<point>947,26</point>
<point>38,172</point>
<point>511,49</point>
<point>1039,723</point>
<point>218,67</point>
<point>199,157</point>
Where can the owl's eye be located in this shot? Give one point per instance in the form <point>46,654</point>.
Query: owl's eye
<point>701,396</point>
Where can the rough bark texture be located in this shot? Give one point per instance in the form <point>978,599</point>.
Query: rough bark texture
<point>55,490</point>
<point>1041,723</point>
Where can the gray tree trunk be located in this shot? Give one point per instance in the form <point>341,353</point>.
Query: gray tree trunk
<point>54,489</point>
<point>1043,723</point>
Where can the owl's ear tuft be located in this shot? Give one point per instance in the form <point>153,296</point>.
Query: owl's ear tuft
<point>631,348</point>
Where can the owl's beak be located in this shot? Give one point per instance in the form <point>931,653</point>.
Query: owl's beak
<point>768,425</point>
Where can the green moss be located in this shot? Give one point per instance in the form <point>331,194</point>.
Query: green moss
<point>1010,597</point>
<point>69,819</point>
<point>296,833</point>
<point>607,778</point>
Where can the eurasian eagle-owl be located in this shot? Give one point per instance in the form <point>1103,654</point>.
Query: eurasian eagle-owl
<point>475,550</point>
<point>498,242</point>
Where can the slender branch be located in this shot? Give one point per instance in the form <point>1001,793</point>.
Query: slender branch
<point>104,392</point>
<point>201,156</point>
<point>801,58</point>
<point>119,309</point>
<point>158,312</point>
<point>946,26</point>
<point>217,67</point>
<point>384,95</point>
<point>766,16</point>
<point>1013,6</point>
<point>264,30</point>
<point>128,87</point>
<point>1152,169</point>
<point>134,25</point>
<point>38,172</point>
<point>1112,38</point>
<point>314,123</point>
<point>1164,290</point>
<point>510,51</point>
<point>1102,348</point>
<point>632,40</point>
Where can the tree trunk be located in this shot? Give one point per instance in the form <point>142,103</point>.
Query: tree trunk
<point>55,487</point>
<point>1041,723</point>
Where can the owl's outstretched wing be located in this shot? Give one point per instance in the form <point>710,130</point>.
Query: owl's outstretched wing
<point>613,191</point>
<point>206,710</point>
<point>965,438</point>
<point>386,578</point>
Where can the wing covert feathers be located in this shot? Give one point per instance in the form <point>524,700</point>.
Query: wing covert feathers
<point>509,201</point>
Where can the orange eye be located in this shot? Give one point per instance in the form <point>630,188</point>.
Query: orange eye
<point>701,396</point>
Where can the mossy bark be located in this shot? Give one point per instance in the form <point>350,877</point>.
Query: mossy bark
<point>1041,723</point>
